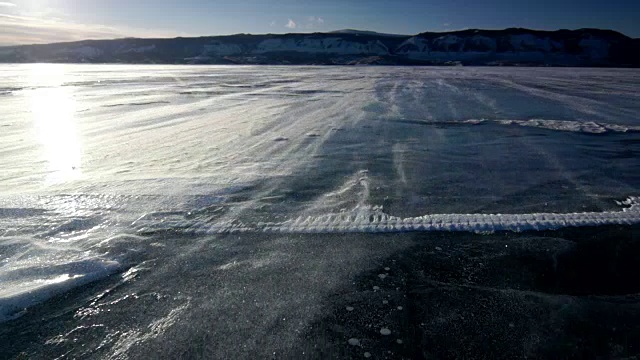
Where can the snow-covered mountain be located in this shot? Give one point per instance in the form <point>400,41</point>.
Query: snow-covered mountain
<point>584,47</point>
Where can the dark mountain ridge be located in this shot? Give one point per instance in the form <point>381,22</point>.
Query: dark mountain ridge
<point>513,46</point>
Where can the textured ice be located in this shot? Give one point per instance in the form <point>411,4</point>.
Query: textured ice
<point>96,160</point>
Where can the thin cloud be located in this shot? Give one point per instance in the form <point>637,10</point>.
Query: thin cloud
<point>291,24</point>
<point>7,4</point>
<point>313,21</point>
<point>19,30</point>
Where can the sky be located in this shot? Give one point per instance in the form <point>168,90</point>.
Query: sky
<point>45,21</point>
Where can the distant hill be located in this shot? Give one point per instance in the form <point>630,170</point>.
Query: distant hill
<point>364,32</point>
<point>508,47</point>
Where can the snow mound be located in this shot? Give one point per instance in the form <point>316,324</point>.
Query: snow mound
<point>28,282</point>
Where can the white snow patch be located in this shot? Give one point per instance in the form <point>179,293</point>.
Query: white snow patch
<point>447,42</point>
<point>19,290</point>
<point>413,46</point>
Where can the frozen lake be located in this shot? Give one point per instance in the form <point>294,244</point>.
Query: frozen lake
<point>318,212</point>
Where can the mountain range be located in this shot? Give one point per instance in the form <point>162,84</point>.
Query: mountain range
<point>508,47</point>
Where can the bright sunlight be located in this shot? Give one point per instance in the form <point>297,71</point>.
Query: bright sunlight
<point>53,109</point>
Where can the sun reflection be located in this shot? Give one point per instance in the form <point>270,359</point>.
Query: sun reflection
<point>53,112</point>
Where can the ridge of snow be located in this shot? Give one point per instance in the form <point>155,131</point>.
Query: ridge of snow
<point>413,45</point>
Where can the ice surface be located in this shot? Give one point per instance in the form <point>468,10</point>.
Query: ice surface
<point>96,160</point>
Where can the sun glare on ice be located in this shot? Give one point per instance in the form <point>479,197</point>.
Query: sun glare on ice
<point>53,113</point>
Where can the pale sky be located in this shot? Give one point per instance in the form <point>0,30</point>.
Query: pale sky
<point>44,21</point>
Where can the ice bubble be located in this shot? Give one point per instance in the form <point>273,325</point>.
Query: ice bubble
<point>354,342</point>
<point>385,331</point>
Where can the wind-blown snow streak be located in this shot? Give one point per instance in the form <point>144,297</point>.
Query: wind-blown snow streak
<point>371,219</point>
<point>587,127</point>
